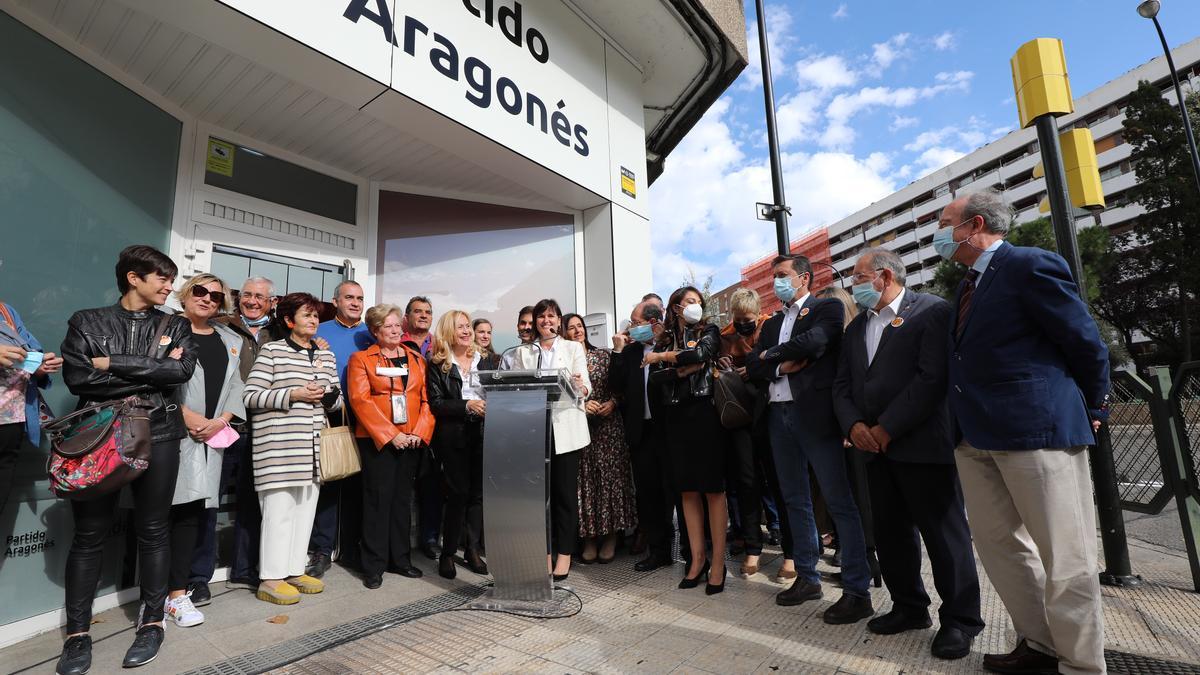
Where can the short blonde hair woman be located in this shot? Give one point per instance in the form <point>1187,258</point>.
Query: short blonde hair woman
<point>202,281</point>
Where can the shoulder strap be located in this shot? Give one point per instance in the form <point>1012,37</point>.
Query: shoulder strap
<point>155,347</point>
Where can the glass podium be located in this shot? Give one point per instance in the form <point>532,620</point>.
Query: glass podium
<point>516,459</point>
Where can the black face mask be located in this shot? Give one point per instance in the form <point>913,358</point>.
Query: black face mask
<point>745,328</point>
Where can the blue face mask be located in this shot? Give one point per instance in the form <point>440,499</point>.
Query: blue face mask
<point>865,295</point>
<point>643,333</point>
<point>943,241</point>
<point>784,289</point>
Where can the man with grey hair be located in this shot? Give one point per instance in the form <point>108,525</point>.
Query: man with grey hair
<point>1028,384</point>
<point>890,398</point>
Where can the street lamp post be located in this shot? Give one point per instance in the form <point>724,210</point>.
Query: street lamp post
<point>779,208</point>
<point>1149,10</point>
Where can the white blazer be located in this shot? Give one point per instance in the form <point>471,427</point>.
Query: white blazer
<point>570,424</point>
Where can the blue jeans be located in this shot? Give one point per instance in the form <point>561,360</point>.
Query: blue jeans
<point>794,449</point>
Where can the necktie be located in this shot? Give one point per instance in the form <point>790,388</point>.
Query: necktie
<point>964,301</point>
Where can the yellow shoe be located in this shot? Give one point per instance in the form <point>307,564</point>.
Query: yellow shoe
<point>280,594</point>
<point>307,584</point>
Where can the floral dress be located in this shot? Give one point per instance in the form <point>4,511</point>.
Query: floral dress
<point>606,503</point>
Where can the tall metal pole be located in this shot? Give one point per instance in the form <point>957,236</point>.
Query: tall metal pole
<point>1187,122</point>
<point>781,224</point>
<point>1061,212</point>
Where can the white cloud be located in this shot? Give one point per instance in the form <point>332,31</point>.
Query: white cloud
<point>780,41</point>
<point>796,117</point>
<point>702,207</point>
<point>843,12</point>
<point>900,122</point>
<point>945,41</point>
<point>884,54</point>
<point>845,106</point>
<point>825,72</point>
<point>935,158</point>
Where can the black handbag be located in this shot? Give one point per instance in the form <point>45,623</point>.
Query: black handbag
<point>734,399</point>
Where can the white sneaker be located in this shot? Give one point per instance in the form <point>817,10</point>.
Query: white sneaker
<point>183,612</point>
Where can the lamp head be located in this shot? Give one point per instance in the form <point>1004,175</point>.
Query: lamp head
<point>1149,9</point>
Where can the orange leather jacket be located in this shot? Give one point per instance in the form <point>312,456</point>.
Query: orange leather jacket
<point>370,397</point>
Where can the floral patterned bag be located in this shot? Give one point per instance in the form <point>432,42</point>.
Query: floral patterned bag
<point>98,449</point>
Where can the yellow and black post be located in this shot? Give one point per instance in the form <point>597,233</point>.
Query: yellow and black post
<point>1043,92</point>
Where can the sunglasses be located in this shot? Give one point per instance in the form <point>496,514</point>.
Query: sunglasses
<point>216,297</point>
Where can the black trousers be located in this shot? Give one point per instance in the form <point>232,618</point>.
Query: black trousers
<point>564,502</point>
<point>654,493</point>
<point>152,492</point>
<point>462,471</point>
<point>923,502</point>
<point>752,472</point>
<point>185,535</point>
<point>11,438</point>
<point>387,480</point>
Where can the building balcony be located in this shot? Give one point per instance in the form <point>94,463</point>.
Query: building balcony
<point>842,246</point>
<point>1118,184</point>
<point>1021,165</point>
<point>1114,155</point>
<point>1121,214</point>
<point>1108,127</point>
<point>932,206</point>
<point>981,183</point>
<point>1026,189</point>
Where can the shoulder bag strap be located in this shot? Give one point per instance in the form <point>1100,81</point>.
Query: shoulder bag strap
<point>8,317</point>
<point>155,347</point>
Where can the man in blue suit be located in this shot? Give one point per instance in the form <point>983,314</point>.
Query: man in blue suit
<point>795,359</point>
<point>890,398</point>
<point>1028,381</point>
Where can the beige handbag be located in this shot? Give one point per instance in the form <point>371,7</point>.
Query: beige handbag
<point>339,451</point>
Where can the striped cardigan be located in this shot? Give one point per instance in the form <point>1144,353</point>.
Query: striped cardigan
<point>286,434</point>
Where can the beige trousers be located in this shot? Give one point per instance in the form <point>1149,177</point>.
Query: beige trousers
<point>1034,525</point>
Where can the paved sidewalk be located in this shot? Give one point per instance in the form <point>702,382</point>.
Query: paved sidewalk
<point>629,622</point>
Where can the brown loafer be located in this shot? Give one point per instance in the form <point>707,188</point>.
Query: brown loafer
<point>749,571</point>
<point>785,576</point>
<point>1024,660</point>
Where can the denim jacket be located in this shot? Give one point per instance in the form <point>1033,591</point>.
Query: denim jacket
<point>24,339</point>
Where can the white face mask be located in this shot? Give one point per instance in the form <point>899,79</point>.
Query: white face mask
<point>693,313</point>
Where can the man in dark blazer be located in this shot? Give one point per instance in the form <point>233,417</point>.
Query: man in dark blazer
<point>1028,382</point>
<point>890,399</point>
<point>647,451</point>
<point>795,359</point>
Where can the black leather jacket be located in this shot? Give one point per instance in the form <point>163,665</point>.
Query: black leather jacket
<point>699,345</point>
<point>124,337</point>
<point>454,428</point>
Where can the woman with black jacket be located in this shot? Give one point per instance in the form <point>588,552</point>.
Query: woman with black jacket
<point>682,369</point>
<point>110,353</point>
<point>458,435</point>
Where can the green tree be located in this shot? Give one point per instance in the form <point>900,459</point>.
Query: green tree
<point>1154,279</point>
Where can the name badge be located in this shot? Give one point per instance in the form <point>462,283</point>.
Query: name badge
<point>399,409</point>
<point>391,372</point>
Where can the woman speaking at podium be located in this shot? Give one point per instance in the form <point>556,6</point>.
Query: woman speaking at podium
<point>551,352</point>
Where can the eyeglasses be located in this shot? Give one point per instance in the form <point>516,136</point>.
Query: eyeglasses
<point>217,297</point>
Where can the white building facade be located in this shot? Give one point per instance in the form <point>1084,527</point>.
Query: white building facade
<point>483,153</point>
<point>905,220</point>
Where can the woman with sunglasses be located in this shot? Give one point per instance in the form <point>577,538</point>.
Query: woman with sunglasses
<point>212,400</point>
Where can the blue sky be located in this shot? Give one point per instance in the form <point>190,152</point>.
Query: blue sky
<point>871,95</point>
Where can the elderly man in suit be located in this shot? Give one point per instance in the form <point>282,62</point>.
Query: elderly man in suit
<point>1028,383</point>
<point>890,399</point>
<point>795,358</point>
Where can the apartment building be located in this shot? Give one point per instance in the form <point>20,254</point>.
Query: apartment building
<point>905,221</point>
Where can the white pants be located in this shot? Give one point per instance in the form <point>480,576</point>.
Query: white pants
<point>287,522</point>
<point>1034,526</point>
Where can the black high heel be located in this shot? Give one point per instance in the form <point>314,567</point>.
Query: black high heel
<point>713,589</point>
<point>694,581</point>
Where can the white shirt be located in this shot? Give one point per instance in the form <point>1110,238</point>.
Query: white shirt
<point>546,361</point>
<point>780,389</point>
<point>646,349</point>
<point>469,393</point>
<point>877,322</point>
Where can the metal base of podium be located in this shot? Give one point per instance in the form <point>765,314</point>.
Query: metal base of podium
<point>559,604</point>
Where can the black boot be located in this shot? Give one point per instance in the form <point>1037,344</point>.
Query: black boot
<point>446,567</point>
